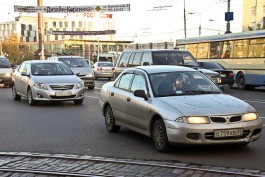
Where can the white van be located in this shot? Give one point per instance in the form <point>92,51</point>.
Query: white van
<point>80,67</point>
<point>5,72</point>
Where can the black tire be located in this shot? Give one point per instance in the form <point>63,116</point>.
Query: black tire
<point>78,101</point>
<point>16,97</point>
<point>110,121</point>
<point>240,81</point>
<point>31,101</point>
<point>159,136</point>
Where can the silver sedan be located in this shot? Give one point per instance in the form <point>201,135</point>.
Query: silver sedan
<point>46,81</point>
<point>177,105</point>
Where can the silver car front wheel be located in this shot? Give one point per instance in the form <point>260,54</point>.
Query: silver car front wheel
<point>31,101</point>
<point>14,93</point>
<point>159,136</point>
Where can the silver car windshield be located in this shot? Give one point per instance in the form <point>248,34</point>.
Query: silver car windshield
<point>182,83</point>
<point>46,69</point>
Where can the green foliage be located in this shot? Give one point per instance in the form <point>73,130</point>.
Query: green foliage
<point>13,52</point>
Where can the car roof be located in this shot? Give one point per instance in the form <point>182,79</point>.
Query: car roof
<point>42,61</point>
<point>154,50</point>
<point>161,68</point>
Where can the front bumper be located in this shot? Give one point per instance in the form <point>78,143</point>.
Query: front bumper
<point>50,95</point>
<point>5,80</point>
<point>203,134</point>
<point>88,81</point>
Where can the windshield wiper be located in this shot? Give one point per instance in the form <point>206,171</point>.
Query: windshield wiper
<point>194,92</point>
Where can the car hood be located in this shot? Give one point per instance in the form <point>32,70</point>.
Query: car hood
<point>210,104</point>
<point>56,79</point>
<point>82,70</point>
<point>208,72</point>
<point>6,70</point>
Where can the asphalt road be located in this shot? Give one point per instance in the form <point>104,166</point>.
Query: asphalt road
<point>79,129</point>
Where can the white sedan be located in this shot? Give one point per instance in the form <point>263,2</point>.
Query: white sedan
<point>143,100</point>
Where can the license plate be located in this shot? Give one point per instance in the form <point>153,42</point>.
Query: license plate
<point>222,75</point>
<point>63,93</point>
<point>228,133</point>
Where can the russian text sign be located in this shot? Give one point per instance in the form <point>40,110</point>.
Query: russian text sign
<point>72,9</point>
<point>83,32</point>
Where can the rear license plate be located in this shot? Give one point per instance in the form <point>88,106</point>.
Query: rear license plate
<point>63,93</point>
<point>228,133</point>
<point>222,75</point>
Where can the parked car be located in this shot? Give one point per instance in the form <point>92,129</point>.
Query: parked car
<point>199,115</point>
<point>131,58</point>
<point>227,76</point>
<point>79,66</point>
<point>42,80</point>
<point>5,72</point>
<point>103,69</point>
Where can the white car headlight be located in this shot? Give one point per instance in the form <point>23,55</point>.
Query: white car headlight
<point>40,86</point>
<point>194,120</point>
<point>8,74</point>
<point>89,75</point>
<point>79,85</point>
<point>249,117</point>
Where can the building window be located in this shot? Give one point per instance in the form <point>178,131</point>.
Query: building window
<point>54,24</point>
<point>263,9</point>
<point>253,10</point>
<point>61,24</point>
<point>66,24</point>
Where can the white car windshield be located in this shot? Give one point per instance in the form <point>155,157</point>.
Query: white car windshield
<point>182,83</point>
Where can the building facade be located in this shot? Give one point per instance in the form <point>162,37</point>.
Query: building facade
<point>253,15</point>
<point>88,46</point>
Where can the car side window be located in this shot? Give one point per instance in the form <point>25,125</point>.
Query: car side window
<point>146,59</point>
<point>123,59</point>
<point>138,83</point>
<point>21,68</point>
<point>137,58</point>
<point>24,68</point>
<point>124,82</point>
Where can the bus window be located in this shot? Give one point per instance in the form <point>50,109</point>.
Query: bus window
<point>202,51</point>
<point>192,48</point>
<point>256,46</point>
<point>240,48</point>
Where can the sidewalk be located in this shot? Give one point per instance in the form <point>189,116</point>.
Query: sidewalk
<point>42,165</point>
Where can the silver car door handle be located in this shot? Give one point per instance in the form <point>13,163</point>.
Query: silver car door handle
<point>128,99</point>
<point>112,93</point>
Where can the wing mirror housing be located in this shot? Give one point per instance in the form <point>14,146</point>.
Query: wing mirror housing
<point>140,93</point>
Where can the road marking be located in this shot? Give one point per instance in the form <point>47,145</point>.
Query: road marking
<point>263,102</point>
<point>91,97</point>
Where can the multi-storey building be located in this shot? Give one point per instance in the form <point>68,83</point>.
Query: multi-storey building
<point>253,15</point>
<point>26,28</point>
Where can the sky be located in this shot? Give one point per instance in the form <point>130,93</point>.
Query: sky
<point>144,23</point>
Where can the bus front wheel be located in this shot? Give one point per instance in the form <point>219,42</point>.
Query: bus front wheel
<point>240,81</point>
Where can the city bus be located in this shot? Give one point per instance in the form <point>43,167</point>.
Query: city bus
<point>243,53</point>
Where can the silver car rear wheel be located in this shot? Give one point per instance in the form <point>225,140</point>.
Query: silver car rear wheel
<point>31,101</point>
<point>110,121</point>
<point>159,136</point>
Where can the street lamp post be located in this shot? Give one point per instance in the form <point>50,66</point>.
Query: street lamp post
<point>200,27</point>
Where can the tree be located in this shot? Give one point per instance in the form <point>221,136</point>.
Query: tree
<point>15,53</point>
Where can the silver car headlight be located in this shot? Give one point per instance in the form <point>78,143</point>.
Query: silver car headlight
<point>40,86</point>
<point>194,120</point>
<point>249,117</point>
<point>79,85</point>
